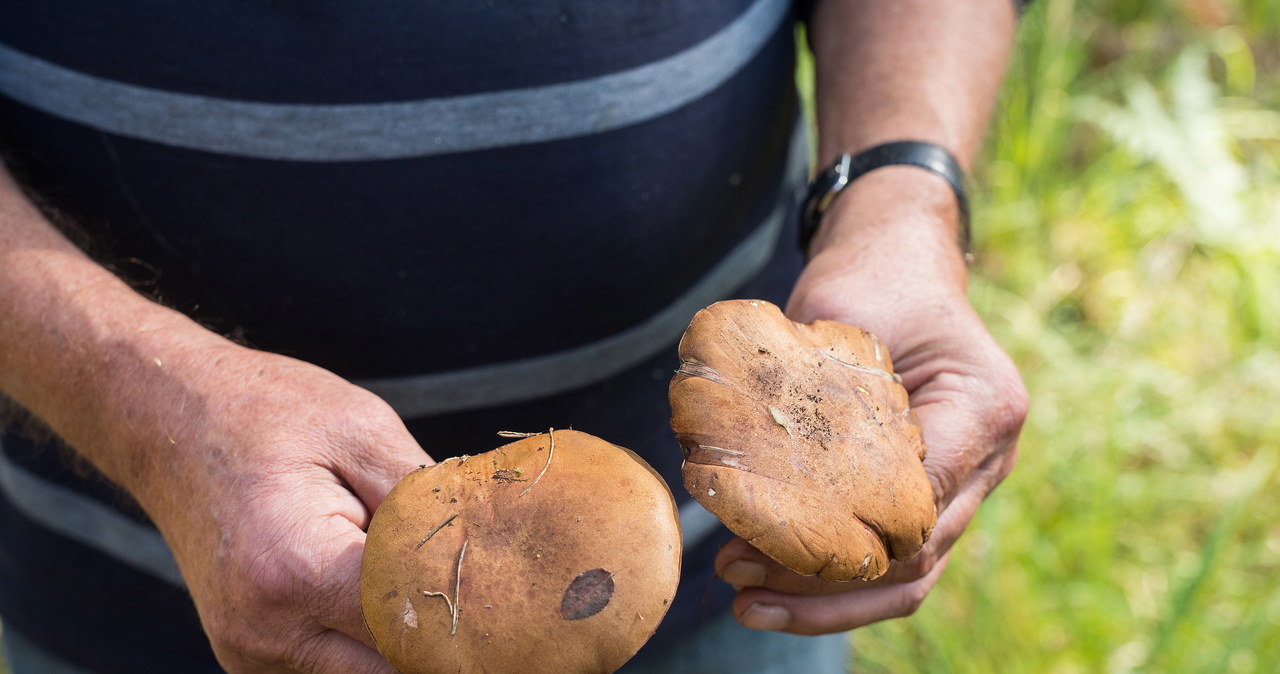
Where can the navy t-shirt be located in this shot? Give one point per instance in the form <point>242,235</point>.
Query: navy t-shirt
<point>497,216</point>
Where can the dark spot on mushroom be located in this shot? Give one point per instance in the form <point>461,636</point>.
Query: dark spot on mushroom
<point>587,595</point>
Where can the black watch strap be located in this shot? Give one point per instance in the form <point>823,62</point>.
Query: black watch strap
<point>847,168</point>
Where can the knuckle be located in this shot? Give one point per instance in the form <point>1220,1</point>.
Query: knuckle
<point>908,608</point>
<point>337,405</point>
<point>369,406</point>
<point>247,628</point>
<point>1008,461</point>
<point>262,581</point>
<point>920,565</point>
<point>242,646</point>
<point>913,597</point>
<point>1009,414</point>
<point>1012,401</point>
<point>307,654</point>
<point>362,418</point>
<point>944,481</point>
<point>1012,413</point>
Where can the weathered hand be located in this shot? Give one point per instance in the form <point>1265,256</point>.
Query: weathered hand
<point>970,401</point>
<point>275,467</point>
<point>260,471</point>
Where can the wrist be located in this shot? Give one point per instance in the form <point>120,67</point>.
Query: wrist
<point>901,218</point>
<point>886,257</point>
<point>848,168</point>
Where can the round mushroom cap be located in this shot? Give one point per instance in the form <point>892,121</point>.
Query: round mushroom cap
<point>559,552</point>
<point>800,439</point>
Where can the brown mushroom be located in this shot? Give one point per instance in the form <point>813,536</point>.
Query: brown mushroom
<point>800,439</point>
<point>559,552</point>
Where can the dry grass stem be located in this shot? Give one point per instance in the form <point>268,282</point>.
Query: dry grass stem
<point>551,433</point>
<point>453,604</point>
<point>517,434</point>
<point>433,532</point>
<point>457,588</point>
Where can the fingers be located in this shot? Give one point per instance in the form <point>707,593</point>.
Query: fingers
<point>337,602</point>
<point>764,609</point>
<point>336,653</point>
<point>741,565</point>
<point>321,629</point>
<point>319,652</point>
<point>772,597</point>
<point>326,652</point>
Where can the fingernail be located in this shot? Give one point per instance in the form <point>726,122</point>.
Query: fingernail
<point>741,573</point>
<point>765,617</point>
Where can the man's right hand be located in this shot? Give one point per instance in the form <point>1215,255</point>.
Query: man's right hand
<point>273,472</point>
<point>260,471</point>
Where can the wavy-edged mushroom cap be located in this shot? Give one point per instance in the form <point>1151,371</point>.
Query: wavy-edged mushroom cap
<point>559,552</point>
<point>800,439</point>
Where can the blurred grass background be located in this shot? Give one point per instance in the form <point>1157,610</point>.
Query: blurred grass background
<point>1128,228</point>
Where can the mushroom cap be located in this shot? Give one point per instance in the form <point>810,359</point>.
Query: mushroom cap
<point>559,552</point>
<point>800,439</point>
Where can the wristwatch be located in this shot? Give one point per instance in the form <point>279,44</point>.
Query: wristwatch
<point>847,168</point>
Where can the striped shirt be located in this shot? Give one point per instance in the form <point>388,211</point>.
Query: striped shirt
<point>419,196</point>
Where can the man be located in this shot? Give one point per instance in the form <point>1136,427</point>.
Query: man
<point>488,218</point>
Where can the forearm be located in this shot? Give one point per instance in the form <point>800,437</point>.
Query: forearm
<point>904,70</point>
<point>82,350</point>
<point>260,470</point>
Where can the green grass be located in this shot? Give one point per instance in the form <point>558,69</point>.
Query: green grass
<point>1128,229</point>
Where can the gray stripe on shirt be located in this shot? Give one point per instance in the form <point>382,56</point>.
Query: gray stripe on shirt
<point>85,520</point>
<point>355,132</point>
<point>540,376</point>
